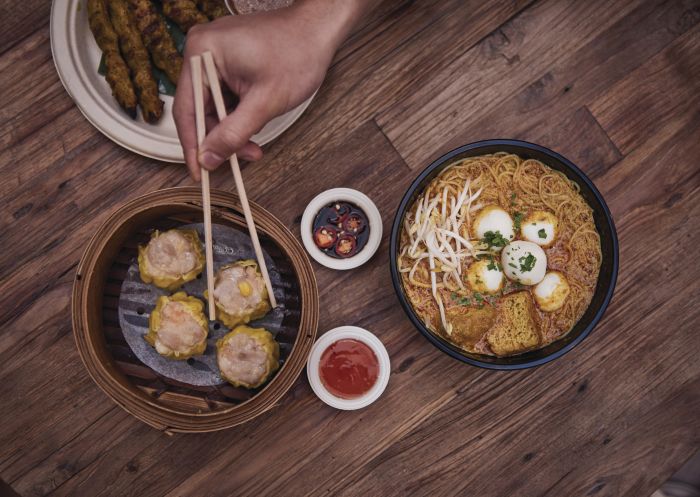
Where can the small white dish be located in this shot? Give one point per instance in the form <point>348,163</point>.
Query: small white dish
<point>345,195</point>
<point>355,333</point>
<point>77,57</point>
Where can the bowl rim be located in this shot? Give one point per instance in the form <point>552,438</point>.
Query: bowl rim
<point>395,236</point>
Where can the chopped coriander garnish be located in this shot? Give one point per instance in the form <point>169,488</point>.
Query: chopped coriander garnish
<point>527,262</point>
<point>494,239</point>
<point>512,198</point>
<point>493,265</point>
<point>512,265</point>
<point>542,233</point>
<point>460,300</point>
<point>479,298</point>
<point>518,218</point>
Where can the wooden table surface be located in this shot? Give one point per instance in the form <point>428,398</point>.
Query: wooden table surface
<point>614,86</point>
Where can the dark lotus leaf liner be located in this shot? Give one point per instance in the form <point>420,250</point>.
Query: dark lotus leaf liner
<point>138,299</point>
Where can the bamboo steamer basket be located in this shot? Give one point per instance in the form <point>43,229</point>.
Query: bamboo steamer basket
<point>161,402</point>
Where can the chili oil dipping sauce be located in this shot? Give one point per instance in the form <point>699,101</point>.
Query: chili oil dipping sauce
<point>341,228</point>
<point>348,368</point>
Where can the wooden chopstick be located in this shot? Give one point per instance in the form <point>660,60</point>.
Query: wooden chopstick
<point>196,66</point>
<point>221,112</point>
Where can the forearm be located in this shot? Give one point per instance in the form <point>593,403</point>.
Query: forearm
<point>333,20</point>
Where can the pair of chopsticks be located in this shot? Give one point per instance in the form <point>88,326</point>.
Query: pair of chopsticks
<point>215,88</point>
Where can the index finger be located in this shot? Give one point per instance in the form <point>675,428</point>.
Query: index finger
<point>184,115</point>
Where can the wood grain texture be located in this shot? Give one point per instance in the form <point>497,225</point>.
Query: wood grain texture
<point>611,85</point>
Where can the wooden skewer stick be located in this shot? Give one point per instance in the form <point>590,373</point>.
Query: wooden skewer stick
<point>221,112</point>
<point>196,65</point>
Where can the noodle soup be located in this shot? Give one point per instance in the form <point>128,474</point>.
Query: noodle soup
<point>499,255</point>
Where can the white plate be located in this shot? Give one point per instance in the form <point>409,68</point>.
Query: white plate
<point>77,56</point>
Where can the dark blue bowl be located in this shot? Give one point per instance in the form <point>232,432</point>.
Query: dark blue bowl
<point>604,223</point>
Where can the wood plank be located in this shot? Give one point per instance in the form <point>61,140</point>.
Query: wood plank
<point>362,84</point>
<point>641,104</point>
<point>51,400</point>
<point>619,410</point>
<point>593,375</point>
<point>17,23</point>
<point>533,94</point>
<point>365,149</point>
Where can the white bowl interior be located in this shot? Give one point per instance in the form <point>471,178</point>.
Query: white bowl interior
<point>364,336</point>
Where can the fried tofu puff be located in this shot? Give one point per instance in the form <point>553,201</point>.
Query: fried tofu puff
<point>213,8</point>
<point>247,356</point>
<point>240,294</point>
<point>118,76</point>
<point>184,13</point>
<point>177,327</point>
<point>137,58</point>
<point>171,258</point>
<point>157,38</point>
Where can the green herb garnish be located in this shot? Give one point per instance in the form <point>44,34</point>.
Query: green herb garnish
<point>527,263</point>
<point>512,265</point>
<point>512,198</point>
<point>494,239</point>
<point>478,297</point>
<point>542,233</point>
<point>518,218</point>
<point>460,300</point>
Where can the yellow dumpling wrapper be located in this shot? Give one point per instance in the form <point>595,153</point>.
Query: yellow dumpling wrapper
<point>190,305</point>
<point>245,291</point>
<point>150,274</point>
<point>248,360</point>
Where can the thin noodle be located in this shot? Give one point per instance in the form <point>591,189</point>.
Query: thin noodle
<point>516,185</point>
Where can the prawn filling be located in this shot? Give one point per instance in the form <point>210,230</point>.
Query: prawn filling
<point>171,258</point>
<point>177,327</point>
<point>247,356</point>
<point>240,293</point>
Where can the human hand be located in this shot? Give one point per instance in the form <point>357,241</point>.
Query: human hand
<point>273,61</point>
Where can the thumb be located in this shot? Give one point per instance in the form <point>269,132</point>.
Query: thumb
<point>231,134</point>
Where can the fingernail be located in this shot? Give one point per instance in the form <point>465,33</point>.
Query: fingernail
<point>209,159</point>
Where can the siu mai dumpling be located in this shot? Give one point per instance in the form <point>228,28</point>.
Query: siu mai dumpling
<point>240,293</point>
<point>177,327</point>
<point>171,258</point>
<point>247,356</point>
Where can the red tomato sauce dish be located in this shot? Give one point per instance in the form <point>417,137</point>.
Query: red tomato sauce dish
<point>349,368</point>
